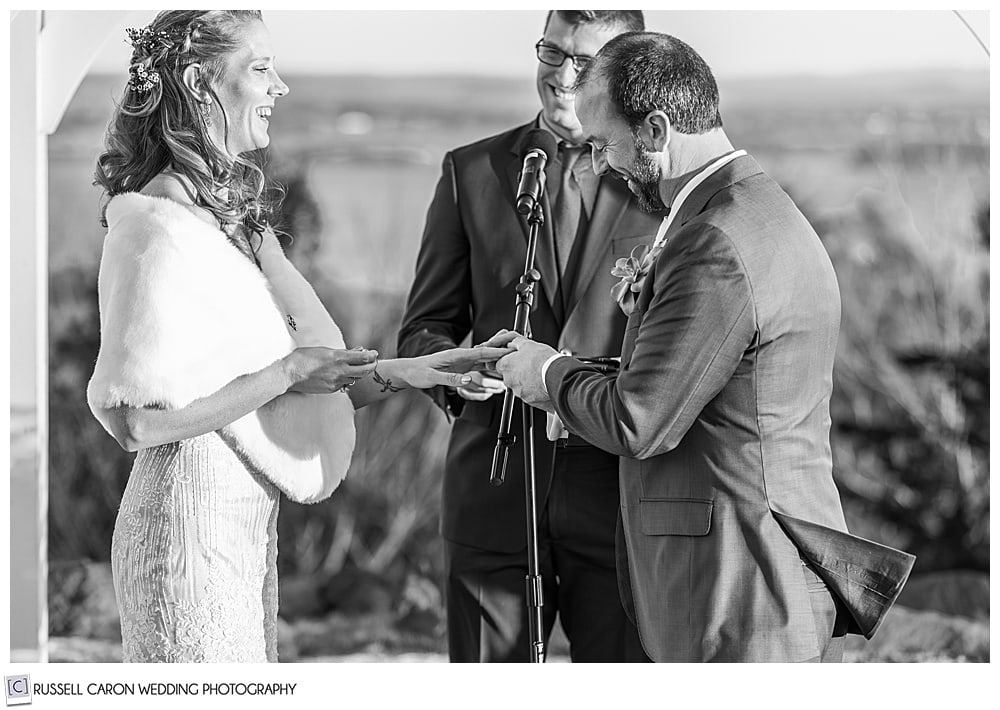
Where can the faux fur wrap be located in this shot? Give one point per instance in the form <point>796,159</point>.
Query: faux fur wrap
<point>183,313</point>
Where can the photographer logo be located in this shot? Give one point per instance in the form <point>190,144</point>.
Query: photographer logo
<point>18,689</point>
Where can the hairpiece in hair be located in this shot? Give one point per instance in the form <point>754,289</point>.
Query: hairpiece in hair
<point>142,79</point>
<point>147,48</point>
<point>146,41</point>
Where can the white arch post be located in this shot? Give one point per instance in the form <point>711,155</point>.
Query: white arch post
<point>50,53</point>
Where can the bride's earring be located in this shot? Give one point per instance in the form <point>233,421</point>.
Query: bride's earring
<point>206,111</point>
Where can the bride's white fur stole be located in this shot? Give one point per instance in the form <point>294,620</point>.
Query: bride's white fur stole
<point>183,313</point>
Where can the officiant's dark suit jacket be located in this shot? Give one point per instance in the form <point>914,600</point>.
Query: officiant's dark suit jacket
<point>721,416</point>
<point>471,258</point>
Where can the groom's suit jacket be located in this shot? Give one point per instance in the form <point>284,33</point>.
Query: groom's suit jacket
<point>721,416</point>
<point>472,256</point>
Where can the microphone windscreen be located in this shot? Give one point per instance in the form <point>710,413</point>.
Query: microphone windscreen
<point>541,139</point>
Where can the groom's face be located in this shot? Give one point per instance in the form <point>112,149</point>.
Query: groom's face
<point>617,147</point>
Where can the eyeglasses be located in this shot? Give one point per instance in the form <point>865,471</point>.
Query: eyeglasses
<point>554,57</point>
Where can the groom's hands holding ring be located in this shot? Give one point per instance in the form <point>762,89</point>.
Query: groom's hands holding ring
<point>522,370</point>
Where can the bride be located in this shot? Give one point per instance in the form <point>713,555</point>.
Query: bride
<point>218,364</point>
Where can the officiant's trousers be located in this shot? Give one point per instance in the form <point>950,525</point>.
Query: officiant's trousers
<point>487,615</point>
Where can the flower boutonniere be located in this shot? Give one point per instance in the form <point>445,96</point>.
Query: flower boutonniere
<point>632,270</point>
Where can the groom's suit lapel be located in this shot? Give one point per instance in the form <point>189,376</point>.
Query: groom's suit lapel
<point>725,177</point>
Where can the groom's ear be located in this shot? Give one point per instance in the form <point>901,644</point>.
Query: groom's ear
<point>654,131</point>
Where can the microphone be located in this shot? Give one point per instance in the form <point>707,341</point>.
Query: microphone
<point>541,145</point>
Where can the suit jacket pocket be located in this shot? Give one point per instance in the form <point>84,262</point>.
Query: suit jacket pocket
<point>675,516</point>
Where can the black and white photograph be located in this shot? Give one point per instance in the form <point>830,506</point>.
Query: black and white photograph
<point>498,336</point>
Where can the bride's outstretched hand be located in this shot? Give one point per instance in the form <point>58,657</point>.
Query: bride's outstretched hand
<point>319,370</point>
<point>449,367</point>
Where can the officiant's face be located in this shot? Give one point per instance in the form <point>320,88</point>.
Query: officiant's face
<point>247,90</point>
<point>617,147</point>
<point>555,83</point>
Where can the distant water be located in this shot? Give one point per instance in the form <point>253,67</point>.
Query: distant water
<point>372,148</point>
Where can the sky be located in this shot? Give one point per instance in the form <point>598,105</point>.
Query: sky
<point>499,43</point>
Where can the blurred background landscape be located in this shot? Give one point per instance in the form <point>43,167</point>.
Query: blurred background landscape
<point>892,169</point>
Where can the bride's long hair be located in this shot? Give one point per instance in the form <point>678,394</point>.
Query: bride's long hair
<point>158,124</point>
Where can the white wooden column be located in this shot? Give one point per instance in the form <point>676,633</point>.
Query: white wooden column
<point>28,319</point>
<point>50,53</point>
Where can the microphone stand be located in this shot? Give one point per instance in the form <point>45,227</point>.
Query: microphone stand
<point>505,440</point>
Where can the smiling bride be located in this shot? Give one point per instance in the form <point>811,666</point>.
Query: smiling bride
<point>218,364</point>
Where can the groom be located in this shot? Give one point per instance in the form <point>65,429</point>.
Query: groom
<point>732,539</point>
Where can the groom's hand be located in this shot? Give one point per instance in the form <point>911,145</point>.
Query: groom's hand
<point>522,370</point>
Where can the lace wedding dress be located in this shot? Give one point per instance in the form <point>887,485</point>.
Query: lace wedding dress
<point>194,557</point>
<point>184,312</point>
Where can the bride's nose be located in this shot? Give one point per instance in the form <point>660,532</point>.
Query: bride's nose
<point>278,87</point>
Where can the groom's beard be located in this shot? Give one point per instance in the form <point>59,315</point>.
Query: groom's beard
<point>645,180</point>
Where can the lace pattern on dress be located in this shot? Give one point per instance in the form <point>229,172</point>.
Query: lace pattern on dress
<point>194,557</point>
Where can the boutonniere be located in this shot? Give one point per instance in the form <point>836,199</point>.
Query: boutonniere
<point>632,270</point>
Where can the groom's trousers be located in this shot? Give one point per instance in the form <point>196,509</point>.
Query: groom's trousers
<point>487,616</point>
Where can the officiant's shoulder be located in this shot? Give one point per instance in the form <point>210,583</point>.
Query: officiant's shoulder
<point>482,149</point>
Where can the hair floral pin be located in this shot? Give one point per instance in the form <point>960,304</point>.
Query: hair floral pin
<point>632,270</point>
<point>142,79</point>
<point>146,41</point>
<point>145,46</point>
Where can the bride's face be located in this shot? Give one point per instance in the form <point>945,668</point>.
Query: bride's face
<point>247,92</point>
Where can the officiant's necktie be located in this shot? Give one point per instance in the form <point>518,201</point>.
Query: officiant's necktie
<point>568,205</point>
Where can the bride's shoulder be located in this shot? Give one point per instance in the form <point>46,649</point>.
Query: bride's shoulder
<point>158,229</point>
<point>163,212</point>
<point>177,188</point>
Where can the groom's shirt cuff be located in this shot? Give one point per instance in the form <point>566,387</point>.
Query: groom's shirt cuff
<point>545,368</point>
